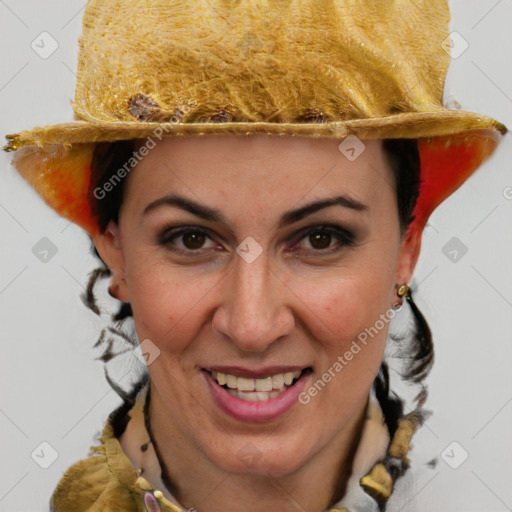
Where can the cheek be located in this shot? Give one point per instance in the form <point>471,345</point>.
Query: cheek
<point>166,303</point>
<point>350,320</point>
<point>342,306</point>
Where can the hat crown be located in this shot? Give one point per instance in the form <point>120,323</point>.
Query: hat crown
<point>332,68</point>
<point>260,60</point>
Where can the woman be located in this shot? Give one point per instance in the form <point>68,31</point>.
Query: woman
<point>262,252</point>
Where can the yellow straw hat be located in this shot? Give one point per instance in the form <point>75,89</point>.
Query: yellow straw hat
<point>320,68</point>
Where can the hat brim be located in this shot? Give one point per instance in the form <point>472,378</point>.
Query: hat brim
<point>56,160</point>
<point>405,125</point>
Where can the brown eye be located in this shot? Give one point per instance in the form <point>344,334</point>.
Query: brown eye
<point>320,240</point>
<point>325,239</point>
<point>186,239</point>
<point>193,240</point>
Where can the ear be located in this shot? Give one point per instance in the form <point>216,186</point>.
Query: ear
<point>109,248</point>
<point>409,254</point>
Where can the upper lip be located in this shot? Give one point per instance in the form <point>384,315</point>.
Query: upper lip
<point>253,373</point>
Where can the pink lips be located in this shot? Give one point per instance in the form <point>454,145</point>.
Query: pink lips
<point>243,410</point>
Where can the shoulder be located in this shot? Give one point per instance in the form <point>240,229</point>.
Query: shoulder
<point>103,481</point>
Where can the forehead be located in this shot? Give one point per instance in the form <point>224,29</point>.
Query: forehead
<point>261,146</point>
<point>219,167</point>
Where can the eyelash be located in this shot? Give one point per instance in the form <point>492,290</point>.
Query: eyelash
<point>345,238</point>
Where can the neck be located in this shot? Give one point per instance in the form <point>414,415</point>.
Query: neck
<point>199,484</point>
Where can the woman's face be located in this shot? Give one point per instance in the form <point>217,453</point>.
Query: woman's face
<point>251,261</point>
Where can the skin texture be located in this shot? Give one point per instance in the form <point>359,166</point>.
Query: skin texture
<point>298,303</point>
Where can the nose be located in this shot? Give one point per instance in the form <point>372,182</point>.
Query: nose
<point>254,309</point>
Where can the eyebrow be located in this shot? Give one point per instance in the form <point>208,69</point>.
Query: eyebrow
<point>215,215</point>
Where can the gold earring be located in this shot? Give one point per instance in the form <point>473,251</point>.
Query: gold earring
<point>401,290</point>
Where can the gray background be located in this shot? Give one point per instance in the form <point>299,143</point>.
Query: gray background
<point>52,389</point>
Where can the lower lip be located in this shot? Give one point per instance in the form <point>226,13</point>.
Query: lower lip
<point>267,410</point>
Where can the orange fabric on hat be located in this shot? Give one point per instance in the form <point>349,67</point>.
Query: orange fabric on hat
<point>62,177</point>
<point>446,162</point>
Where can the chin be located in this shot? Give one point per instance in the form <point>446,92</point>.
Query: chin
<point>256,458</point>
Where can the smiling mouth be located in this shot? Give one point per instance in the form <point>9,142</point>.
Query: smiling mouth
<point>257,390</point>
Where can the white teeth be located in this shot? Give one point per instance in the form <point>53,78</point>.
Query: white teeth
<point>255,390</point>
<point>288,378</point>
<point>245,384</point>
<point>277,381</point>
<point>262,395</point>
<point>254,396</point>
<point>263,384</point>
<point>231,381</point>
